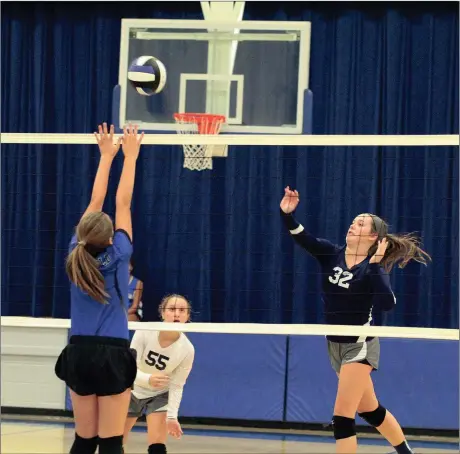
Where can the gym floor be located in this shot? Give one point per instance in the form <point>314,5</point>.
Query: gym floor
<point>56,437</point>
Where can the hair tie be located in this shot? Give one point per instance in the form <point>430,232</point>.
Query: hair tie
<point>81,243</point>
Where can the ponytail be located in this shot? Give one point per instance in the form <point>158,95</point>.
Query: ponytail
<point>83,270</point>
<point>401,248</point>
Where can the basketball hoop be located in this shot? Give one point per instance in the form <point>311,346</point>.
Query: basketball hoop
<point>199,157</point>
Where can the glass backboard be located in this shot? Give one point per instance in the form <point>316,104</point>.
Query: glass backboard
<point>255,73</point>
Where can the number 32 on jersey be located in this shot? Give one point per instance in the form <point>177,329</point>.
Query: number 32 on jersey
<point>341,277</point>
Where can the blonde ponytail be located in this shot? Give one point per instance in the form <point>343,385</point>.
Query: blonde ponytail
<point>83,270</point>
<point>94,233</point>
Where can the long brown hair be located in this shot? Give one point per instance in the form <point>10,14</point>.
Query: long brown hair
<point>93,235</point>
<point>401,248</point>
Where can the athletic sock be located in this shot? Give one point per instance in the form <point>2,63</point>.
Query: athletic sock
<point>111,445</point>
<point>84,445</point>
<point>403,448</point>
<point>157,448</point>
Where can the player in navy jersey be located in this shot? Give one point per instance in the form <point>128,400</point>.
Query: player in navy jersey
<point>98,365</point>
<point>354,281</point>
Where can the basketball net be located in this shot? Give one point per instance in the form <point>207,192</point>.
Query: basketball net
<point>199,157</point>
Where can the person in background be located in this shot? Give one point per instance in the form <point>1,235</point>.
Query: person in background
<point>135,290</point>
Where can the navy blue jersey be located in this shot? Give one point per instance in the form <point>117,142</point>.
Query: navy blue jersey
<point>91,318</point>
<point>349,294</point>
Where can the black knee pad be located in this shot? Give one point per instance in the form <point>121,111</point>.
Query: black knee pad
<point>84,445</point>
<point>111,445</point>
<point>157,448</point>
<point>374,418</point>
<point>343,427</point>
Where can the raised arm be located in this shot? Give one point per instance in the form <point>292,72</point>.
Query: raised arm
<point>317,247</point>
<point>108,151</point>
<point>131,147</point>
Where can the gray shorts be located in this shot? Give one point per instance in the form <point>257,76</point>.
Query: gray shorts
<point>360,352</point>
<point>138,407</point>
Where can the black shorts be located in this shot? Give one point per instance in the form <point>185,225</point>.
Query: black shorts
<point>104,366</point>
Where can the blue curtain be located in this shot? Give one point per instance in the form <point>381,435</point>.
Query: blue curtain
<point>216,237</point>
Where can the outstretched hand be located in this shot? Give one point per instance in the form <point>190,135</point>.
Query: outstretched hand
<point>290,200</point>
<point>105,141</point>
<point>131,141</point>
<point>380,252</point>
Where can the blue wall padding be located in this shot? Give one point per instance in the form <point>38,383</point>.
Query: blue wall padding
<point>236,376</point>
<point>311,381</point>
<point>417,381</point>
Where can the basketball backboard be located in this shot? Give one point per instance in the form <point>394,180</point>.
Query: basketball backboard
<point>255,73</point>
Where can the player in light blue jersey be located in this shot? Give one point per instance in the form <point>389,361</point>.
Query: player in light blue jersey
<point>98,365</point>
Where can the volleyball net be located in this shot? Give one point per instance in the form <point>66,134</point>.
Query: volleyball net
<point>216,237</point>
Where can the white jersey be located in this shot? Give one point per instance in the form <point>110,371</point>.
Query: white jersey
<point>175,361</point>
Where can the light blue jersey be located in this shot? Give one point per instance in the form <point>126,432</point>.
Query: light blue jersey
<point>91,318</point>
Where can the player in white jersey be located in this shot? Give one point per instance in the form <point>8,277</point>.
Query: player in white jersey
<point>164,361</point>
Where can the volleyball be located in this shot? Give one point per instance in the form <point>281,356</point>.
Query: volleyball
<point>147,75</point>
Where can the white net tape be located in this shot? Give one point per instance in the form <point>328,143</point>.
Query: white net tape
<point>256,328</point>
<point>249,140</point>
<point>199,156</point>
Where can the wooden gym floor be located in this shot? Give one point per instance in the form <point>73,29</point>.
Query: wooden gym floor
<point>54,437</point>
